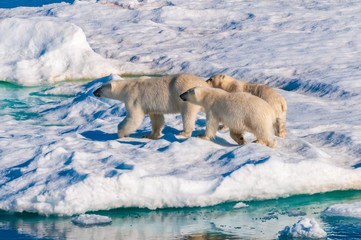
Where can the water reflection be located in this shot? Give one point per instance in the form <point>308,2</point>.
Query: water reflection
<point>260,220</point>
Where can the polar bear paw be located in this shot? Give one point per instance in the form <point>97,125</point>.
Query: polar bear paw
<point>185,134</point>
<point>203,136</point>
<point>152,136</point>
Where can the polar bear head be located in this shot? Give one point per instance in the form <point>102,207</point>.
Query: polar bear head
<point>226,82</point>
<point>112,90</point>
<point>219,81</point>
<point>194,95</point>
<point>203,96</point>
<point>104,90</point>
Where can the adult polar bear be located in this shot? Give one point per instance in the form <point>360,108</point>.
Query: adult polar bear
<point>153,96</point>
<point>239,111</point>
<point>271,96</point>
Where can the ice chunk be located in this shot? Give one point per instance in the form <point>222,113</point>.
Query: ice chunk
<point>240,205</point>
<point>295,213</point>
<point>91,219</point>
<point>304,228</point>
<point>344,210</point>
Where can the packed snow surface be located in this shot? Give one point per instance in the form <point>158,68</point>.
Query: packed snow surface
<point>344,210</point>
<point>304,228</point>
<point>62,155</point>
<point>91,219</point>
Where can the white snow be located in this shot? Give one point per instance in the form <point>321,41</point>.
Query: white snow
<point>344,210</point>
<point>67,160</point>
<point>36,50</point>
<point>304,228</point>
<point>240,205</point>
<point>91,219</point>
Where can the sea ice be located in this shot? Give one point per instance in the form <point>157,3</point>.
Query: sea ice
<point>344,210</point>
<point>91,219</point>
<point>304,228</point>
<point>240,205</point>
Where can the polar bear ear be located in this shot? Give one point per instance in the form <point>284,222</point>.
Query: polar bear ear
<point>222,76</point>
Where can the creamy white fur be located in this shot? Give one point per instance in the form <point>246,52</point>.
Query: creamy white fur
<point>153,96</point>
<point>271,96</point>
<point>240,111</point>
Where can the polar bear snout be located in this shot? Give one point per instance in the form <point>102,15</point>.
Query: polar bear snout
<point>98,92</point>
<point>103,91</point>
<point>184,96</point>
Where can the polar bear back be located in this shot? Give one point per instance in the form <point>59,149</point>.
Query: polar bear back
<point>240,110</point>
<point>268,94</point>
<point>161,95</point>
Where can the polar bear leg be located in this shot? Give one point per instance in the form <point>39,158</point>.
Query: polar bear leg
<point>279,128</point>
<point>211,127</point>
<point>238,137</point>
<point>131,122</point>
<point>189,115</point>
<point>281,122</point>
<point>280,125</point>
<point>157,126</point>
<point>265,138</point>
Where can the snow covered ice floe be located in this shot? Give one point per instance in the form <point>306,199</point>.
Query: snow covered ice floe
<point>91,219</point>
<point>343,210</point>
<point>37,50</point>
<point>68,159</point>
<point>74,149</point>
<point>304,228</point>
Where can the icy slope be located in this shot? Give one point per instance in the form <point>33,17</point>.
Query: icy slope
<point>41,50</point>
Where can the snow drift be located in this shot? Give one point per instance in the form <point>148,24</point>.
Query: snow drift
<point>41,50</point>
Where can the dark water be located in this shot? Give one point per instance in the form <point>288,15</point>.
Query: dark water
<point>29,3</point>
<point>260,220</point>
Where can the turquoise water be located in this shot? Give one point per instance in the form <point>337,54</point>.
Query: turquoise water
<point>17,101</point>
<point>260,220</point>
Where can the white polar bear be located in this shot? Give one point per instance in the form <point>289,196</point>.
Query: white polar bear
<point>153,96</point>
<point>275,99</point>
<point>239,111</point>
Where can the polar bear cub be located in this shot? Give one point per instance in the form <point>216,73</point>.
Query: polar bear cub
<point>271,96</point>
<point>153,96</point>
<point>239,111</point>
